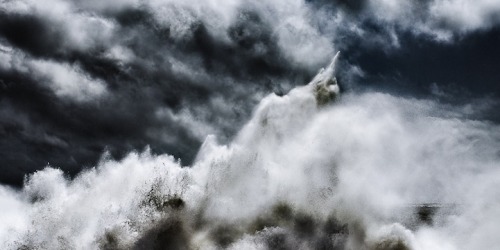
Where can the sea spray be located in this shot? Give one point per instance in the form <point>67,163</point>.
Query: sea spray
<point>301,174</point>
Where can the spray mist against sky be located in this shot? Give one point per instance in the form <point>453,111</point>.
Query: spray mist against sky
<point>147,124</point>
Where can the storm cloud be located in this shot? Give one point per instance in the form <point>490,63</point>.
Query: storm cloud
<point>81,78</point>
<point>78,80</point>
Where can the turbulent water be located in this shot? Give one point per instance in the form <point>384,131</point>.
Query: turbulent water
<point>364,171</point>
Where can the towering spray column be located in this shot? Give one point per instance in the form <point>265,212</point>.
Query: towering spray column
<point>325,84</point>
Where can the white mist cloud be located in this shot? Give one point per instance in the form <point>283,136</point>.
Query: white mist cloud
<point>304,34</point>
<point>442,19</point>
<point>467,16</point>
<point>67,81</point>
<point>14,213</point>
<point>85,27</point>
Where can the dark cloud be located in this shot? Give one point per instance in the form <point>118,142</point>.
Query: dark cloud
<point>148,95</point>
<point>137,78</point>
<point>349,5</point>
<point>467,64</point>
<point>31,33</point>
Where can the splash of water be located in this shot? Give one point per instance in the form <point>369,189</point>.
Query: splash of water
<point>371,171</point>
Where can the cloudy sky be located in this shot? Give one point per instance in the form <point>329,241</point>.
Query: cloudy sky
<point>81,78</point>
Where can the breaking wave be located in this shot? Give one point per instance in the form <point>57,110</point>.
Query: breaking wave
<point>368,171</point>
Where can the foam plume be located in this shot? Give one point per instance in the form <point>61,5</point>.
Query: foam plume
<point>301,174</point>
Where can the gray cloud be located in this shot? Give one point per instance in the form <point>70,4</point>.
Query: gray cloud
<point>119,76</point>
<point>89,76</point>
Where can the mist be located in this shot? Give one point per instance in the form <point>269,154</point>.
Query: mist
<point>347,175</point>
<point>239,125</point>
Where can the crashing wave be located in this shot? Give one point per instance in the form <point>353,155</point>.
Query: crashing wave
<point>299,175</point>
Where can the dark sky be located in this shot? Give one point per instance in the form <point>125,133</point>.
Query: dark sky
<point>78,79</point>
